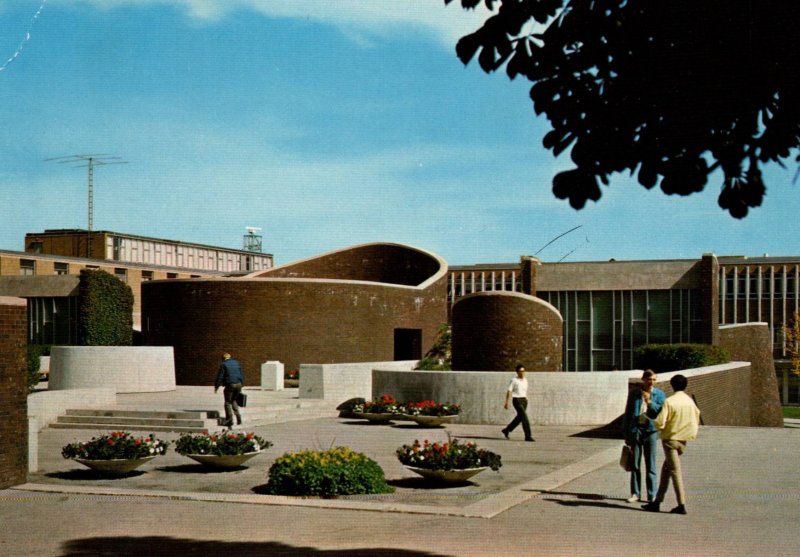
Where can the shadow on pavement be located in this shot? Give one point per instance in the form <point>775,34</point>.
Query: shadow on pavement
<point>158,546</point>
<point>90,475</point>
<point>572,499</point>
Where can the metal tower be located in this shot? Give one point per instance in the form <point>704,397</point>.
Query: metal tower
<point>89,161</point>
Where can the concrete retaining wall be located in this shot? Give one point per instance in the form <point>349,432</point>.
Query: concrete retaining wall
<point>126,369</point>
<point>340,382</point>
<point>45,406</point>
<point>596,398</point>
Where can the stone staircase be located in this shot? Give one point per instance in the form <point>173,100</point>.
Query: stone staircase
<point>188,421</point>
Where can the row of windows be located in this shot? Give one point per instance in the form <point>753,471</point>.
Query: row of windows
<point>759,283</point>
<point>27,267</point>
<point>159,253</point>
<point>464,283</point>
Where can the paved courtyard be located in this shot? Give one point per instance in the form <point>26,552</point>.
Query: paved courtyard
<point>563,495</point>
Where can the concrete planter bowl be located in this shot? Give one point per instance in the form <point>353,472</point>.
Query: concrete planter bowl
<point>431,421</point>
<point>447,476</point>
<point>115,467</point>
<point>377,417</point>
<point>223,461</point>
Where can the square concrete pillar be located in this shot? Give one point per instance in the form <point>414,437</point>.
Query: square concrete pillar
<point>33,445</point>
<point>272,376</point>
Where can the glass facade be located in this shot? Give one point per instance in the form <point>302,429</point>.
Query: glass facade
<point>760,293</point>
<point>602,328</point>
<point>53,320</point>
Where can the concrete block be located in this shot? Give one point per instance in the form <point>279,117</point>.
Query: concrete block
<point>127,369</point>
<point>272,376</point>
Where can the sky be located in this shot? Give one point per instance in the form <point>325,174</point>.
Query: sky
<point>326,125</point>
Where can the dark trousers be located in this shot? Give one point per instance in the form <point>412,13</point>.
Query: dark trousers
<point>231,408</point>
<point>521,406</point>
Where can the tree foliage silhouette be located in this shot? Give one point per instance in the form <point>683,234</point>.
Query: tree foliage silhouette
<point>668,89</point>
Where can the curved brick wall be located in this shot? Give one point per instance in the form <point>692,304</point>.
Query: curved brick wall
<point>384,263</point>
<point>259,318</point>
<point>493,331</point>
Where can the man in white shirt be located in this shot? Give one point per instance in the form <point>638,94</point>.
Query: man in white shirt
<point>517,394</point>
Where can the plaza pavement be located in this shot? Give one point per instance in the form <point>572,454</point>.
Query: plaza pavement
<point>563,495</point>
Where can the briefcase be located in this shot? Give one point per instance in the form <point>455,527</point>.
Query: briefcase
<point>241,400</point>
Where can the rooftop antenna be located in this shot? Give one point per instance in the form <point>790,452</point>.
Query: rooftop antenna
<point>89,161</point>
<point>252,240</point>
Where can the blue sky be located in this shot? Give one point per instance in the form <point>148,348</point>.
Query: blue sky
<point>327,124</point>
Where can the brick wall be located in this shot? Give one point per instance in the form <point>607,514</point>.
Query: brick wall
<point>750,342</point>
<point>13,393</point>
<point>723,397</point>
<point>293,320</point>
<point>384,263</point>
<point>494,331</point>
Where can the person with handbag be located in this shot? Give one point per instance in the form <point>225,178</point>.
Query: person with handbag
<point>644,403</point>
<point>231,377</point>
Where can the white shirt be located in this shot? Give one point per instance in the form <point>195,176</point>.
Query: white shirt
<point>518,387</point>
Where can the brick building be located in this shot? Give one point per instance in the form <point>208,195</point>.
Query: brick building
<point>374,302</point>
<point>46,273</point>
<point>611,307</point>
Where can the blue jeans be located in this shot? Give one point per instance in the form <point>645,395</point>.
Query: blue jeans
<point>647,444</point>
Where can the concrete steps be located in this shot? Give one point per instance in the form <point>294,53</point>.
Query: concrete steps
<point>138,420</point>
<point>188,421</point>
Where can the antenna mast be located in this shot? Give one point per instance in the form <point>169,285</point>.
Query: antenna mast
<point>89,161</point>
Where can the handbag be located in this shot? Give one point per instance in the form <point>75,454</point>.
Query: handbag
<point>626,458</point>
<point>241,400</point>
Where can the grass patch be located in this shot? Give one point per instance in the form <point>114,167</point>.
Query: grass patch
<point>791,412</point>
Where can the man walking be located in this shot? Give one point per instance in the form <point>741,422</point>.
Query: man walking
<point>517,393</point>
<point>230,376</point>
<point>678,422</point>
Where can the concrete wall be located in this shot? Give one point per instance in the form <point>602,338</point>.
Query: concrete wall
<point>13,392</point>
<point>284,315</point>
<point>46,406</point>
<point>596,398</point>
<point>340,382</point>
<point>126,369</point>
<point>498,330</point>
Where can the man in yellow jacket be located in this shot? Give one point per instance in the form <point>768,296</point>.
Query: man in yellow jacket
<point>678,423</point>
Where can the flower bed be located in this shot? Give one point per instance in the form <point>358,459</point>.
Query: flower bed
<point>220,444</point>
<point>452,455</point>
<point>337,471</point>
<point>430,408</point>
<point>386,404</point>
<point>116,445</point>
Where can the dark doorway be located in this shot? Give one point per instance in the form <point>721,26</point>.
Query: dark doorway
<point>407,344</point>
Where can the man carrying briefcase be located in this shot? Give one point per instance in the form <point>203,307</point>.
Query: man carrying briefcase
<point>231,377</point>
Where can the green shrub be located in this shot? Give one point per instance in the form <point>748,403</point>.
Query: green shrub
<point>34,363</point>
<point>337,471</point>
<point>662,358</point>
<point>440,356</point>
<point>105,310</point>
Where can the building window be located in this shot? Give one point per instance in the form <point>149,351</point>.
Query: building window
<point>62,268</point>
<point>35,247</point>
<point>121,274</point>
<point>27,267</point>
<point>147,275</point>
<point>172,275</point>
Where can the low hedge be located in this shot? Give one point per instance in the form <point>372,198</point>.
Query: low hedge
<point>662,358</point>
<point>337,471</point>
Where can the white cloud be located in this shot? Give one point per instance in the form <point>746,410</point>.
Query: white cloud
<point>353,17</point>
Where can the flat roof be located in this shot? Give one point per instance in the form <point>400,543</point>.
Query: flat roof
<point>76,231</point>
